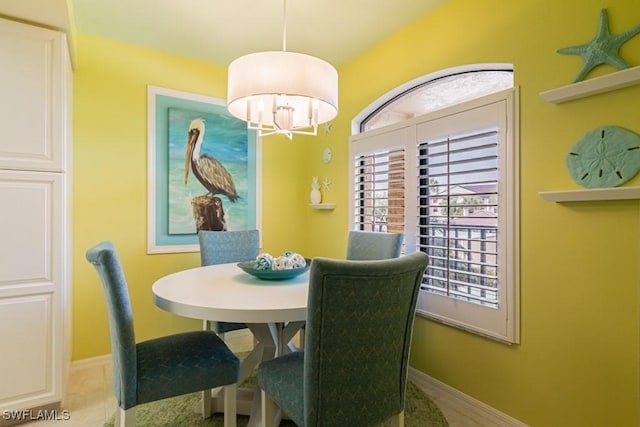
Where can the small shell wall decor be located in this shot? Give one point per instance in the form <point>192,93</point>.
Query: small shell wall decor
<point>607,156</point>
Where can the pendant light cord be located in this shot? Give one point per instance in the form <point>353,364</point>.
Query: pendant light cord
<point>284,28</point>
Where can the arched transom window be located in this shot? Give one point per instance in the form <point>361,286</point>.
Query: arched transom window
<point>435,91</point>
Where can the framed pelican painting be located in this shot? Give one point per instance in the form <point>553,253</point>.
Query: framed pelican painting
<point>203,170</point>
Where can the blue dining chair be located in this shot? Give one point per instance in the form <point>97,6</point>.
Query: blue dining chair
<point>369,245</point>
<point>353,370</point>
<point>163,367</point>
<point>222,247</point>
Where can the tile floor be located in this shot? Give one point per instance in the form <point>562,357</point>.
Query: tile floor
<point>90,400</point>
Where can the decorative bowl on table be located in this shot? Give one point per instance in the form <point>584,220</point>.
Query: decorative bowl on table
<point>286,266</point>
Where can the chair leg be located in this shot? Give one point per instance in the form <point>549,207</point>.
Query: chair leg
<point>125,417</point>
<point>206,403</point>
<point>301,338</point>
<point>397,420</point>
<point>230,409</point>
<point>268,410</point>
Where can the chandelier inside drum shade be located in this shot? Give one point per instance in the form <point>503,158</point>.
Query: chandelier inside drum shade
<point>280,92</point>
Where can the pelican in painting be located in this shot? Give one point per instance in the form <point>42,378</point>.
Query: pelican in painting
<point>207,169</point>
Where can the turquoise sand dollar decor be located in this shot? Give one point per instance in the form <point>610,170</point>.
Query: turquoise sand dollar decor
<point>603,49</point>
<point>605,157</point>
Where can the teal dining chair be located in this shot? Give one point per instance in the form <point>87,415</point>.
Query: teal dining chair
<point>163,367</point>
<point>222,247</point>
<point>353,369</point>
<point>369,245</point>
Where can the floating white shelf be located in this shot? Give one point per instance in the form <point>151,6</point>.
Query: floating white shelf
<point>325,206</point>
<point>590,194</point>
<point>609,82</point>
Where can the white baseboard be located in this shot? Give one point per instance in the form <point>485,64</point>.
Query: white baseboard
<point>449,398</point>
<point>92,362</point>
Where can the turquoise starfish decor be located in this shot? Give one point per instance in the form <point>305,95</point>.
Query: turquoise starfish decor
<point>603,49</point>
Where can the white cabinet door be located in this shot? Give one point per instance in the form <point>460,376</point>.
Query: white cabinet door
<point>26,324</point>
<point>32,92</point>
<point>32,274</point>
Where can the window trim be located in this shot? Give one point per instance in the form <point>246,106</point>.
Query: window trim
<point>405,134</point>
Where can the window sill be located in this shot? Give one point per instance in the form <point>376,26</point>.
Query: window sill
<point>323,206</point>
<point>591,194</point>
<point>609,82</point>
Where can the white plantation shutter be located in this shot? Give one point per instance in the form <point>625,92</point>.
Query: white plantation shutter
<point>458,215</point>
<point>378,190</point>
<point>449,181</point>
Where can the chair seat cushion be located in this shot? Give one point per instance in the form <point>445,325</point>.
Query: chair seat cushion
<point>282,379</point>
<point>183,363</point>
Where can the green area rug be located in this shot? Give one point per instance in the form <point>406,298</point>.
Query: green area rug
<point>420,411</point>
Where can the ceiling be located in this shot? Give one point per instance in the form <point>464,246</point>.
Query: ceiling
<point>219,31</point>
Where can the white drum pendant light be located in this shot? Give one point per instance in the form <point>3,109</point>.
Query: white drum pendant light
<point>280,92</point>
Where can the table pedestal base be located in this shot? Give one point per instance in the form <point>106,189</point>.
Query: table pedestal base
<point>272,340</point>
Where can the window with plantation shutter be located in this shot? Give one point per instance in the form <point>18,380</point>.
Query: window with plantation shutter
<point>458,215</point>
<point>378,190</point>
<point>448,180</point>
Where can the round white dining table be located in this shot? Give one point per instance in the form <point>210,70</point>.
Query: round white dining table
<point>225,293</point>
<point>274,311</point>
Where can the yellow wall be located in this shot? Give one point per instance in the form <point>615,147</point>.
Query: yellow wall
<point>578,361</point>
<point>110,182</point>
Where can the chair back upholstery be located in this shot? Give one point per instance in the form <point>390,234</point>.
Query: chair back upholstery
<point>368,245</point>
<point>104,258</point>
<point>358,334</point>
<point>221,247</point>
